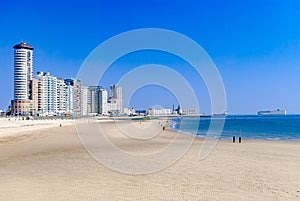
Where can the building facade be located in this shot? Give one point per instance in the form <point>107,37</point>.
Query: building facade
<point>35,95</point>
<point>158,111</point>
<point>77,97</point>
<point>84,101</point>
<point>61,96</point>
<point>93,100</point>
<point>48,93</point>
<point>55,96</point>
<point>103,101</point>
<point>115,101</point>
<point>23,68</point>
<point>73,96</point>
<point>97,100</point>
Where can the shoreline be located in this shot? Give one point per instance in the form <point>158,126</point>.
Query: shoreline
<point>20,127</point>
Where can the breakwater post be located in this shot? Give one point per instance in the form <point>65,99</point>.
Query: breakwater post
<point>240,139</point>
<point>233,139</point>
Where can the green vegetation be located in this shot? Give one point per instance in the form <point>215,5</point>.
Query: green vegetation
<point>141,119</point>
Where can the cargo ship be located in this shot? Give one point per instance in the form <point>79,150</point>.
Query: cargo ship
<point>221,114</point>
<point>272,112</point>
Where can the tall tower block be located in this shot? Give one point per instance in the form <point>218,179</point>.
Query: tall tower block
<point>23,60</point>
<point>23,56</point>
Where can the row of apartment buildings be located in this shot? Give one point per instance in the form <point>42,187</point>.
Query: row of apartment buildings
<point>47,95</point>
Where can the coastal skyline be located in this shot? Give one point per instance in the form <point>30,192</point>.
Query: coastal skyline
<point>46,95</point>
<point>257,54</point>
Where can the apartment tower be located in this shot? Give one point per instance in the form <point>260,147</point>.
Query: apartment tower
<point>23,68</point>
<point>116,99</point>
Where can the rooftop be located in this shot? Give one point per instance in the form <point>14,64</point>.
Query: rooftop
<point>23,45</point>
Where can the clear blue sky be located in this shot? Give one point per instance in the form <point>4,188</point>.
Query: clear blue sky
<point>255,44</point>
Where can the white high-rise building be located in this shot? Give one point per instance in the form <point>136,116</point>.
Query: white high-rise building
<point>70,99</point>
<point>73,96</point>
<point>77,97</point>
<point>84,101</point>
<point>103,101</point>
<point>61,96</point>
<point>116,99</point>
<point>56,96</point>
<point>93,100</point>
<point>97,100</point>
<point>49,84</point>
<point>23,64</point>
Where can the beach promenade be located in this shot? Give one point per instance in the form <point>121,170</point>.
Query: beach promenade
<point>50,163</point>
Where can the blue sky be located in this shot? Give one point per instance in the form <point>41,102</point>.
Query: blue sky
<point>254,44</point>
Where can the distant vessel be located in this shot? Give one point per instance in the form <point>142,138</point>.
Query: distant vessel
<point>221,114</point>
<point>272,112</point>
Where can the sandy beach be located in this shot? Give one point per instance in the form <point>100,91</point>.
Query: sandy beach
<point>50,163</point>
<point>17,127</point>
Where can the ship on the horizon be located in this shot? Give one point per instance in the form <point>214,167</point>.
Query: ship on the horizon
<point>272,112</point>
<point>221,114</point>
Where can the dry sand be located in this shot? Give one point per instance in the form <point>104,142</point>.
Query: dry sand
<point>16,126</point>
<point>51,164</point>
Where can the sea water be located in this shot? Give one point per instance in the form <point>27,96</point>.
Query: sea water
<point>246,126</point>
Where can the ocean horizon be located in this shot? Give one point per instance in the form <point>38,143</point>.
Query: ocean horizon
<point>250,127</point>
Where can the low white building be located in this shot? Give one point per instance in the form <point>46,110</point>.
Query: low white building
<point>112,106</point>
<point>129,111</point>
<point>158,111</point>
<point>189,111</point>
